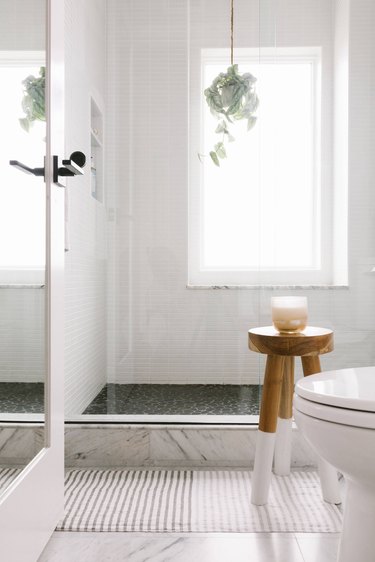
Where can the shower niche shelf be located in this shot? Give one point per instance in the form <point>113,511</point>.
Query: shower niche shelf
<point>96,142</point>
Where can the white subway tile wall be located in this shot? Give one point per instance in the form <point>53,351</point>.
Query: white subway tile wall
<point>22,335</point>
<point>160,331</point>
<point>86,261</point>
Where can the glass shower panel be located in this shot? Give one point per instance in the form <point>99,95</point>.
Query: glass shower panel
<point>196,250</point>
<point>339,282</point>
<point>176,347</point>
<point>22,233</point>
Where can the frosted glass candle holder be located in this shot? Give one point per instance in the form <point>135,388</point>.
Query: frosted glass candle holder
<point>289,314</point>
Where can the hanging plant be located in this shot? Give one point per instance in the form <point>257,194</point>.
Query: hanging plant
<point>33,101</point>
<point>231,97</point>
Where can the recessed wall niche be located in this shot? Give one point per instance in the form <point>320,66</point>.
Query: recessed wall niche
<point>96,159</point>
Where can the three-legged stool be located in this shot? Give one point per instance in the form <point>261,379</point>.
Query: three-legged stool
<point>277,404</point>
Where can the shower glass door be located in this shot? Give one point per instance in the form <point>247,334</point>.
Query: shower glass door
<point>31,267</point>
<point>23,237</point>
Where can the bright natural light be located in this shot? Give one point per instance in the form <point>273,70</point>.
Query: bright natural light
<point>260,207</point>
<point>22,196</point>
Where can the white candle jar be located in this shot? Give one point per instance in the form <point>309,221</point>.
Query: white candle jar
<point>289,314</point>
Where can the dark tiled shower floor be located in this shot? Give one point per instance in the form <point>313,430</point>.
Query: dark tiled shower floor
<point>22,397</point>
<point>157,399</point>
<point>177,399</point>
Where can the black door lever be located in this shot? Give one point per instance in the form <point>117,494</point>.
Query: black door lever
<point>26,169</point>
<point>72,167</point>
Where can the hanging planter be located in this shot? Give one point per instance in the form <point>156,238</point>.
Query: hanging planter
<point>33,101</point>
<point>231,97</point>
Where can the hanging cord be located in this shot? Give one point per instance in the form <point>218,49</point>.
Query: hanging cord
<point>231,31</point>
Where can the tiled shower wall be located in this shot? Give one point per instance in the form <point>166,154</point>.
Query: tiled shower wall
<point>160,331</point>
<point>86,260</point>
<point>22,334</point>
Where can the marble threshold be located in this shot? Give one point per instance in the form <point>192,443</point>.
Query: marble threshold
<point>148,444</point>
<point>173,445</point>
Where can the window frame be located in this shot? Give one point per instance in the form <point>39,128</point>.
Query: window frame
<point>197,276</point>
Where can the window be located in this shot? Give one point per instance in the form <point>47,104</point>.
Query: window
<point>22,196</point>
<point>258,218</point>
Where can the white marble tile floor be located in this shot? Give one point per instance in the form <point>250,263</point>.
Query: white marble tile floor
<point>188,547</point>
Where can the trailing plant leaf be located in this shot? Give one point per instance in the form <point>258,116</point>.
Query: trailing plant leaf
<point>220,150</point>
<point>214,158</point>
<point>33,101</point>
<point>231,97</point>
<point>222,127</point>
<point>251,122</point>
<point>25,124</point>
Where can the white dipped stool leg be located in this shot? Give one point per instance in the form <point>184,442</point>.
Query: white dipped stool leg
<point>261,479</point>
<point>329,482</point>
<point>283,447</point>
<point>265,445</point>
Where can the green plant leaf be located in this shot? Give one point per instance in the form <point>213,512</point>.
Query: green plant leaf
<point>214,158</point>
<point>220,150</point>
<point>33,102</point>
<point>25,124</point>
<point>222,127</point>
<point>251,122</point>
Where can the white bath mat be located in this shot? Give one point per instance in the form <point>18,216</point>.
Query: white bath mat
<point>193,501</point>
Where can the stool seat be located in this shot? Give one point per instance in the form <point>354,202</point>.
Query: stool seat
<point>277,403</point>
<point>312,341</point>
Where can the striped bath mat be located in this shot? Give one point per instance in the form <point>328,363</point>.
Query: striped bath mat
<point>193,501</point>
<point>7,475</point>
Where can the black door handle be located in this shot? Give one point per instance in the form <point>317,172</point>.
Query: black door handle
<point>72,167</point>
<point>26,169</point>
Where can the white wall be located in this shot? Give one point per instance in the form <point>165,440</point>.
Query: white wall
<point>160,331</point>
<point>86,288</point>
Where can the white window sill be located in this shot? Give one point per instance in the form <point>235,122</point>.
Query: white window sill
<point>20,286</point>
<point>268,287</point>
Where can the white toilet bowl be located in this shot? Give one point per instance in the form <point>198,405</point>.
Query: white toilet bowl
<point>335,410</point>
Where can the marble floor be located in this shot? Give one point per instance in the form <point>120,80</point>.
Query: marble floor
<point>177,399</point>
<point>183,547</point>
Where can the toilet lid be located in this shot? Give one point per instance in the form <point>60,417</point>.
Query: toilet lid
<point>353,389</point>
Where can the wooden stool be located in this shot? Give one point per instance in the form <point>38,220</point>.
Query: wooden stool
<point>277,404</point>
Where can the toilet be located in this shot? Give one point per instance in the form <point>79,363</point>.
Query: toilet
<point>335,410</point>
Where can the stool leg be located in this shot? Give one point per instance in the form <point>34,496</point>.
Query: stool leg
<point>283,445</point>
<point>267,427</point>
<point>328,474</point>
